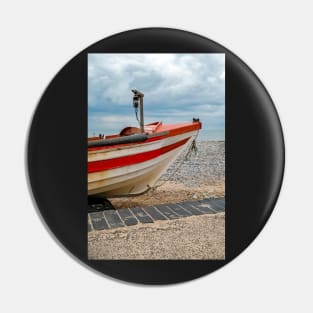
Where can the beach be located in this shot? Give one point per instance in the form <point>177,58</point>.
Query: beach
<point>200,176</point>
<point>195,237</point>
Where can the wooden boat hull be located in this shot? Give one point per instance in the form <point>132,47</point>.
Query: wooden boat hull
<point>129,170</point>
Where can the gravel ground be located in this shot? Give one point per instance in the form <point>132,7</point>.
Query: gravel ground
<point>205,167</point>
<point>195,237</point>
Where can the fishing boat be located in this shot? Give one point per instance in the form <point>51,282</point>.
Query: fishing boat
<point>131,162</point>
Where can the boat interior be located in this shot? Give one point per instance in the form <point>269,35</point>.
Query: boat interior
<point>130,130</point>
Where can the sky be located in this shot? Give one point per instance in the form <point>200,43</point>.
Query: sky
<point>177,87</point>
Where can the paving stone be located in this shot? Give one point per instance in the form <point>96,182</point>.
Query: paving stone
<point>113,219</point>
<point>127,217</point>
<point>221,201</point>
<point>165,210</point>
<point>106,219</point>
<point>189,206</point>
<point>98,221</point>
<point>179,210</point>
<point>142,216</point>
<point>154,213</point>
<point>218,207</point>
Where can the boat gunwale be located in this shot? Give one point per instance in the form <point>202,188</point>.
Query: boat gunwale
<point>153,136</point>
<point>128,145</point>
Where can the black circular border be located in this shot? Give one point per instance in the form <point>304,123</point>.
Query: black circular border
<point>255,155</point>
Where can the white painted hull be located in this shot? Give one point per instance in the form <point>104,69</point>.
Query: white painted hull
<point>136,178</point>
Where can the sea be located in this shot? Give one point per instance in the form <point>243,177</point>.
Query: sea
<point>204,134</point>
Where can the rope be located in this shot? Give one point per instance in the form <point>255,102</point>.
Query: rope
<point>136,111</point>
<point>192,149</point>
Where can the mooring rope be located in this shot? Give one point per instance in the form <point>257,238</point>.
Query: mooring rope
<point>136,112</point>
<point>192,149</point>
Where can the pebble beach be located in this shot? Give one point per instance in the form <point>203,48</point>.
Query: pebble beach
<point>200,176</point>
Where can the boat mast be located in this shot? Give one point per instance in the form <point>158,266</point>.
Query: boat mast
<point>138,100</point>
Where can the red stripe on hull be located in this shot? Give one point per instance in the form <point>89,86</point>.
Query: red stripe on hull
<point>98,166</point>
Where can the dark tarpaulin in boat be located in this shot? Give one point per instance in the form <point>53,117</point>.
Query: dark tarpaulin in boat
<point>118,141</point>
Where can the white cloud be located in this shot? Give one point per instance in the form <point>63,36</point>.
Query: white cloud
<point>176,85</point>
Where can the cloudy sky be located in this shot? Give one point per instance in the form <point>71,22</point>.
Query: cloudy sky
<point>177,87</point>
